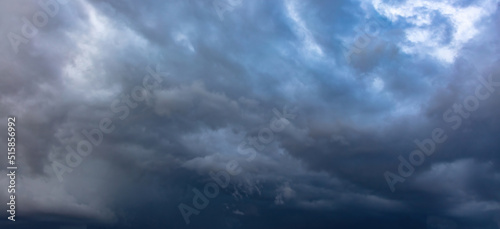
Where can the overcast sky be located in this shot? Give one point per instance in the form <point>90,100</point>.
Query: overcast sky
<point>252,113</point>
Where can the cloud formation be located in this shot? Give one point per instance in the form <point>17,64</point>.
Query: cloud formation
<point>188,94</point>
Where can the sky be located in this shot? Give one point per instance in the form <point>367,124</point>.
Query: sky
<point>252,113</point>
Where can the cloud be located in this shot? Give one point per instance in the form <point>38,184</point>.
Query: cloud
<point>224,83</point>
<point>440,29</point>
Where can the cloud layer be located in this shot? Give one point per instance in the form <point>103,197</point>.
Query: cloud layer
<point>309,103</point>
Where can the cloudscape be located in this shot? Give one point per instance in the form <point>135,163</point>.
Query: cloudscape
<point>250,114</point>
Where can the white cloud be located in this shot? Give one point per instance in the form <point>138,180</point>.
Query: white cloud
<point>424,37</point>
<point>84,74</point>
<point>378,84</point>
<point>183,40</point>
<point>301,29</point>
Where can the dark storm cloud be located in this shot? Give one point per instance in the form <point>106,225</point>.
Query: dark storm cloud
<point>222,81</point>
